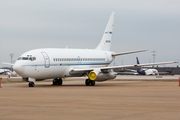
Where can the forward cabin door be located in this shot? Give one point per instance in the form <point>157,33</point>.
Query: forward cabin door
<point>79,60</point>
<point>46,60</point>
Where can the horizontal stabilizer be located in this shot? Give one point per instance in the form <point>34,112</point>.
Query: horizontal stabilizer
<point>129,52</point>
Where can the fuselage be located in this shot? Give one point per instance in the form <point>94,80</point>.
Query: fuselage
<point>56,63</point>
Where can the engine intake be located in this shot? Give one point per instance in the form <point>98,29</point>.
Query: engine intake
<point>99,76</point>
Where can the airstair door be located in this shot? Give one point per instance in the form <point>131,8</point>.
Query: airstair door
<point>79,60</point>
<point>46,60</point>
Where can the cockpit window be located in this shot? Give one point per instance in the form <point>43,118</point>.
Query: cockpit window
<point>19,58</point>
<point>24,58</point>
<point>27,58</point>
<point>32,58</point>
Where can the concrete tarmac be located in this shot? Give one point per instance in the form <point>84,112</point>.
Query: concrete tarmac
<point>109,100</point>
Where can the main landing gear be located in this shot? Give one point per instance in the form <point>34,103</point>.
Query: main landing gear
<point>31,84</point>
<point>57,81</point>
<point>89,82</point>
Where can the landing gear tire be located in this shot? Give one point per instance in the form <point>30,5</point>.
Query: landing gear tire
<point>57,81</point>
<point>54,82</point>
<point>89,82</point>
<point>92,83</point>
<point>31,84</point>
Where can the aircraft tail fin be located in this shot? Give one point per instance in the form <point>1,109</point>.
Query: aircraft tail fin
<point>137,60</point>
<point>105,43</point>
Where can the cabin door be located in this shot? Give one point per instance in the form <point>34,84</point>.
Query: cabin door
<point>46,59</point>
<point>79,60</point>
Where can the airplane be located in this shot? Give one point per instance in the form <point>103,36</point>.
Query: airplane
<point>58,63</point>
<point>8,72</point>
<point>4,71</point>
<point>143,71</point>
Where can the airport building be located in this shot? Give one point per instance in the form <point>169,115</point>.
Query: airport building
<point>170,70</point>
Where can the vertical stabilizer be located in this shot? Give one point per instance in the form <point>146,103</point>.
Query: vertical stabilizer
<point>137,60</point>
<point>105,43</point>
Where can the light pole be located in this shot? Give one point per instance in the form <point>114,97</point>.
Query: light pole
<point>11,55</point>
<point>153,54</point>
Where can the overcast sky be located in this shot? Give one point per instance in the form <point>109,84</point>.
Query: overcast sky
<point>139,24</point>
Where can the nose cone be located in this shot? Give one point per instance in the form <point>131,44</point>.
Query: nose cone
<point>18,68</point>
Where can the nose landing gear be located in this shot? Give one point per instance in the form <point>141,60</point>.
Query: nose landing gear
<point>31,84</point>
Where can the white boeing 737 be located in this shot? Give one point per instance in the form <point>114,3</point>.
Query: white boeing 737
<point>57,63</point>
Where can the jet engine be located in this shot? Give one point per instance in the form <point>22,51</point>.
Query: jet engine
<point>101,76</point>
<point>147,71</point>
<point>141,71</point>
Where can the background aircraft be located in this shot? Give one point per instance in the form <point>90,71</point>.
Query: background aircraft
<point>4,71</point>
<point>142,71</point>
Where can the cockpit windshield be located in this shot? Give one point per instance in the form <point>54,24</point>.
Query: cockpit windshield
<point>27,58</point>
<point>24,58</point>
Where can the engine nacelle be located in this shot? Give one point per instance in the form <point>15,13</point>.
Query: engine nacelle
<point>99,76</point>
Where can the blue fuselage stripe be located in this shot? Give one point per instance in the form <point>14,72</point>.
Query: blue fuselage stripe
<point>71,64</point>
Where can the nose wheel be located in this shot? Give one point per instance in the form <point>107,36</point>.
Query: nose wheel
<point>89,82</point>
<point>31,84</point>
<point>57,81</point>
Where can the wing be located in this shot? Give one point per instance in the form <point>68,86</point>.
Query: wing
<point>7,63</point>
<point>130,70</point>
<point>2,73</point>
<point>138,65</point>
<point>105,69</point>
<point>80,71</point>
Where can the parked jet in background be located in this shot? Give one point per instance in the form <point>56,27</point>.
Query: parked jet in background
<point>57,63</point>
<point>4,71</point>
<point>146,71</point>
<point>143,71</point>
